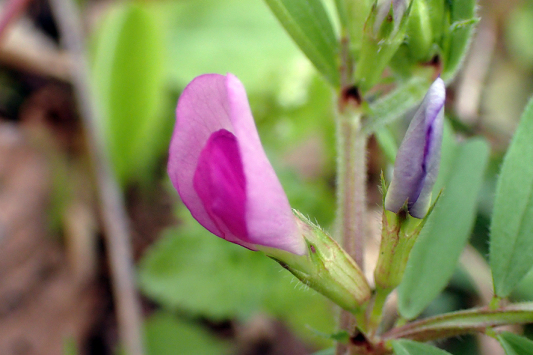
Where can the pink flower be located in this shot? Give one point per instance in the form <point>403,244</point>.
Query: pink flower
<point>218,166</point>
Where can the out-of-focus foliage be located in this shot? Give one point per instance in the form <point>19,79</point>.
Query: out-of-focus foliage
<point>307,22</point>
<point>128,74</point>
<point>519,41</point>
<point>435,254</point>
<point>387,143</point>
<point>237,36</point>
<point>167,334</point>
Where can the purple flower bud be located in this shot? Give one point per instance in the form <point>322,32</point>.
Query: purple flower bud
<point>218,166</point>
<point>417,162</point>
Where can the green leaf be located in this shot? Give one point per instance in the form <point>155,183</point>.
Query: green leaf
<point>168,335</point>
<point>515,344</point>
<point>437,250</point>
<point>398,102</point>
<point>511,244</point>
<point>408,347</point>
<point>342,11</point>
<point>128,77</point>
<point>308,24</point>
<point>524,290</point>
<point>459,36</point>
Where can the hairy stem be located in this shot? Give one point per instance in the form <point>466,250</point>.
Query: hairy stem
<point>351,188</point>
<point>463,322</point>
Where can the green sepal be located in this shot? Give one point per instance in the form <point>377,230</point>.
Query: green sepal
<point>419,31</point>
<point>398,236</point>
<point>326,267</point>
<point>384,188</point>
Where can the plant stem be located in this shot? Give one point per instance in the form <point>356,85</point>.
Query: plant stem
<point>114,216</point>
<point>351,188</point>
<point>462,322</point>
<point>377,310</point>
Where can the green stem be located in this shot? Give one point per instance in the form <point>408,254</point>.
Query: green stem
<point>463,322</point>
<point>377,310</point>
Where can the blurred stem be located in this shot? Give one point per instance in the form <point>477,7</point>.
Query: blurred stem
<point>114,216</point>
<point>351,186</point>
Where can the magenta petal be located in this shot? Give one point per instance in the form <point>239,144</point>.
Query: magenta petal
<point>220,184</point>
<point>202,109</point>
<point>269,216</point>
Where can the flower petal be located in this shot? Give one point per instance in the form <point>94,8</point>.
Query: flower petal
<point>269,216</point>
<point>202,110</point>
<point>220,184</point>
